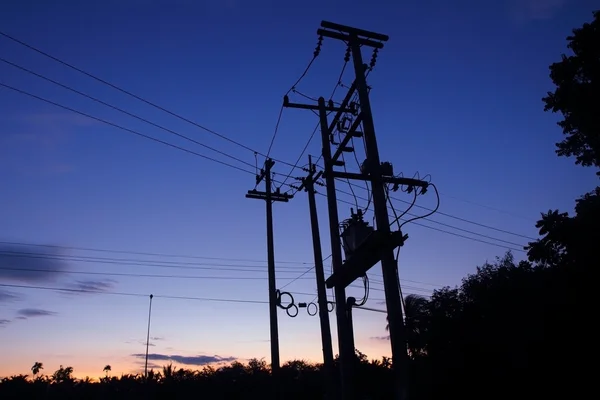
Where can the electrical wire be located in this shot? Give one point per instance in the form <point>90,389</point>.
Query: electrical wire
<point>365,298</point>
<point>133,294</point>
<point>147,263</point>
<point>312,135</point>
<point>71,66</point>
<point>396,217</point>
<point>302,274</point>
<point>125,112</point>
<point>125,129</point>
<point>446,225</point>
<point>437,195</point>
<point>137,97</point>
<point>168,264</point>
<point>139,253</point>
<point>456,217</point>
<point>293,87</point>
<point>453,233</point>
<point>124,274</point>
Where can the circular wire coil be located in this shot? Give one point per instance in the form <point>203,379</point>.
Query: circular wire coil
<point>316,309</point>
<point>279,294</point>
<point>330,306</point>
<point>293,307</point>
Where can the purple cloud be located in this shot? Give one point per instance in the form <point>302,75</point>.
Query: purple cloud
<point>34,312</point>
<point>187,360</point>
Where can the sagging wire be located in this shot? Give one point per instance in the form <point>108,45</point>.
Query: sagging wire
<point>312,135</point>
<point>316,53</point>
<point>437,195</point>
<point>363,301</point>
<point>396,217</point>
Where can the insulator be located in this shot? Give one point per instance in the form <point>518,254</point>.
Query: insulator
<point>318,48</point>
<point>374,58</point>
<point>347,55</point>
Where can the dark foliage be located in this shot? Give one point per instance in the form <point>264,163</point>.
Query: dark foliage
<point>300,380</point>
<point>577,95</point>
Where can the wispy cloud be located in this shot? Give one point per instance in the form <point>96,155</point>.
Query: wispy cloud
<point>187,360</point>
<point>34,312</point>
<point>8,296</point>
<point>380,338</point>
<point>4,322</point>
<point>143,342</point>
<point>90,286</point>
<point>21,263</point>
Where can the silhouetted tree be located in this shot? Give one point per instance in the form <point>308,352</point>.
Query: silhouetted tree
<point>36,368</point>
<point>577,95</point>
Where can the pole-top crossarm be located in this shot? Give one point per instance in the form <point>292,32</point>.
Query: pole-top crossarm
<point>354,31</point>
<point>255,194</point>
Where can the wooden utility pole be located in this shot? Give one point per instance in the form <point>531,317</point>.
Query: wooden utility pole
<point>308,184</point>
<point>269,198</point>
<point>344,334</point>
<point>355,38</point>
<point>379,244</point>
<point>345,344</point>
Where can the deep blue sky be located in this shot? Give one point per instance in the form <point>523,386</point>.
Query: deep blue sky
<point>456,94</point>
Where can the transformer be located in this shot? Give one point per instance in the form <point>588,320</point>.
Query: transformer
<point>354,233</point>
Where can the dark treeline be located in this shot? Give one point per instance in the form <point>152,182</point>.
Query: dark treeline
<point>510,330</point>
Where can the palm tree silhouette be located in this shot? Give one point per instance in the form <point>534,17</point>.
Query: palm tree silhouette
<point>37,366</point>
<point>415,316</point>
<point>107,369</point>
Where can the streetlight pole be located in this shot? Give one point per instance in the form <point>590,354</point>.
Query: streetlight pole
<point>148,339</point>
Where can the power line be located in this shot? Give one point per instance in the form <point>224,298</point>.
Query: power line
<point>132,294</point>
<point>445,231</point>
<point>124,112</point>
<point>301,275</point>
<point>453,216</point>
<point>168,264</point>
<point>126,129</point>
<point>148,102</point>
<point>125,274</point>
<point>444,224</point>
<point>312,135</point>
<point>101,250</point>
<point>451,233</point>
<point>141,263</point>
<point>56,59</point>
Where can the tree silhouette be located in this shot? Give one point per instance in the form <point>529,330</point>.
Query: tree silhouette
<point>36,368</point>
<point>577,95</point>
<point>107,369</point>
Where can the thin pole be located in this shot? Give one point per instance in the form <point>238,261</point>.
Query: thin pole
<point>320,275</point>
<point>148,339</point>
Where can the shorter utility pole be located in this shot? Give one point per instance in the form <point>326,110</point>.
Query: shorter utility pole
<point>148,339</point>
<point>308,184</point>
<point>269,198</point>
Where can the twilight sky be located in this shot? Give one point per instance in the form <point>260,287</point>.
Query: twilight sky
<point>456,93</point>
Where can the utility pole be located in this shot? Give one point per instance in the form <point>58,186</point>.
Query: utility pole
<point>367,246</point>
<point>345,342</point>
<point>148,339</point>
<point>373,169</point>
<point>308,184</point>
<point>269,198</point>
